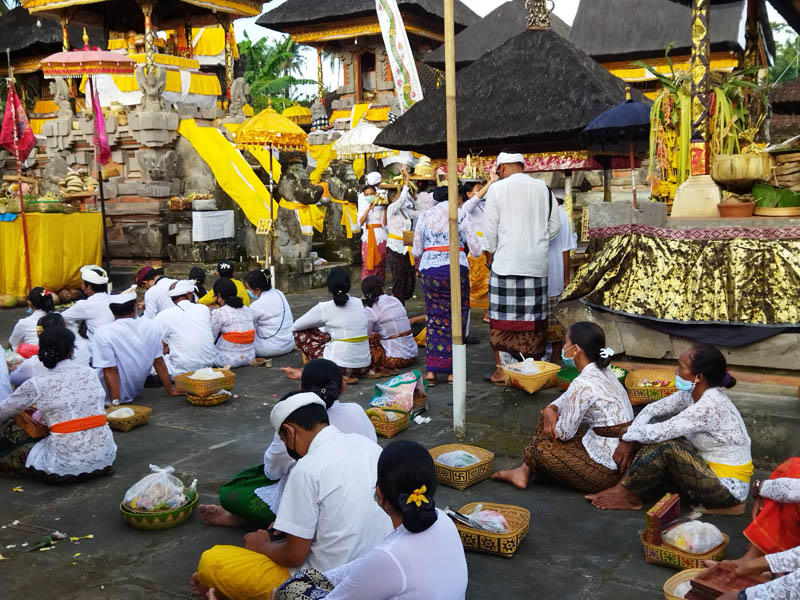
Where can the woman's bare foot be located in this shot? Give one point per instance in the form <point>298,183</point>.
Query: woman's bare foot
<point>293,372</point>
<point>350,380</point>
<point>217,516</point>
<point>450,379</point>
<point>498,377</point>
<point>615,498</point>
<point>518,477</point>
<point>198,589</point>
<point>430,378</point>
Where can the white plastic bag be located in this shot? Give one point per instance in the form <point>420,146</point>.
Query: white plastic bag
<point>457,458</point>
<point>695,537</point>
<point>158,491</point>
<point>527,367</point>
<point>488,520</point>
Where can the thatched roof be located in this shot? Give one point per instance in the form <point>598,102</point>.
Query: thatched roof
<point>624,29</point>
<point>785,97</point>
<point>294,13</point>
<point>503,23</point>
<point>536,92</point>
<point>20,34</point>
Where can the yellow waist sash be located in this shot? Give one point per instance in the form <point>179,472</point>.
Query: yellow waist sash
<point>354,340</point>
<point>399,238</point>
<point>740,472</point>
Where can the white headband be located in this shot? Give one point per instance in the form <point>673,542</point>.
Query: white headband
<point>374,178</point>
<point>94,274</point>
<point>284,408</point>
<point>181,288</point>
<point>506,158</point>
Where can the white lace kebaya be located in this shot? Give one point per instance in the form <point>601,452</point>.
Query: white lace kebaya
<point>785,490</point>
<point>783,588</point>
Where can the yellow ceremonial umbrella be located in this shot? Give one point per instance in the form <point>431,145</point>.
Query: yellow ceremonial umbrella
<point>299,114</point>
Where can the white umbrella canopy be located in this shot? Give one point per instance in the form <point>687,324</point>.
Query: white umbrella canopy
<point>360,141</point>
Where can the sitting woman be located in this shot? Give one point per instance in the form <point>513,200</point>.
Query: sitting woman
<point>253,496</point>
<point>232,326</point>
<point>703,451</point>
<point>336,330</point>
<point>70,400</point>
<point>577,438</point>
<point>271,316</point>
<point>40,302</point>
<point>412,560</point>
<point>390,339</point>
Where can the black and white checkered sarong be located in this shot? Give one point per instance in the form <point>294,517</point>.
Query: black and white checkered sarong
<point>517,300</point>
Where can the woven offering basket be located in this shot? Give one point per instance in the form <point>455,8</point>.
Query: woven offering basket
<point>214,400</point>
<point>500,544</point>
<point>671,584</point>
<point>461,478</point>
<point>151,521</point>
<point>548,375</point>
<point>408,238</point>
<point>645,395</point>
<point>35,430</point>
<point>205,387</point>
<point>763,211</point>
<point>390,429</point>
<point>420,402</point>
<point>141,415</point>
<point>677,558</point>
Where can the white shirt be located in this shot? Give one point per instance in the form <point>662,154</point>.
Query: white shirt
<point>131,345</point>
<point>64,393</point>
<point>375,217</point>
<point>595,398</point>
<point>516,227</point>
<point>5,383</point>
<point>342,323</point>
<point>24,331</point>
<point>329,499</point>
<point>429,565</point>
<point>93,310</point>
<point>156,298</point>
<point>186,329</point>
<point>400,216</point>
<point>388,317</point>
<point>563,242</point>
<point>273,321</point>
<point>227,319</point>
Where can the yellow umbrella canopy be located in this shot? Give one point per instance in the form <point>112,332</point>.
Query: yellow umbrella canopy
<point>299,114</point>
<point>268,128</point>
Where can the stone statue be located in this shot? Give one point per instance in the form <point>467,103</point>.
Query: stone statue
<point>319,116</point>
<point>55,170</point>
<point>342,181</point>
<point>157,166</point>
<point>295,185</point>
<point>193,171</point>
<point>151,123</point>
<point>60,91</point>
<point>152,84</point>
<point>239,92</point>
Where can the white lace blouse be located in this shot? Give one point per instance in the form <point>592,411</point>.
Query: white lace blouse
<point>712,425</point>
<point>388,318</point>
<point>228,319</point>
<point>62,394</point>
<point>785,490</point>
<point>433,230</point>
<point>783,588</point>
<point>595,398</point>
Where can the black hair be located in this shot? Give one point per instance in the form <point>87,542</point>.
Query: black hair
<point>441,194</point>
<point>338,285</point>
<point>423,185</point>
<point>55,345</point>
<point>324,378</point>
<point>468,186</point>
<point>42,299</point>
<point>152,274</point>
<point>260,279</point>
<point>372,288</point>
<point>198,274</point>
<point>306,417</point>
<point>592,339</point>
<point>123,310</point>
<point>98,288</point>
<point>404,467</point>
<point>225,269</point>
<point>370,187</point>
<point>708,361</point>
<point>227,290</point>
<point>52,319</point>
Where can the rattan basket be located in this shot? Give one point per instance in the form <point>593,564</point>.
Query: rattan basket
<point>141,415</point>
<point>160,520</point>
<point>390,429</point>
<point>671,584</point>
<point>205,387</point>
<point>741,169</point>
<point>672,556</point>
<point>763,211</point>
<point>214,400</point>
<point>645,395</point>
<point>461,478</point>
<point>533,383</point>
<point>500,544</point>
<point>420,403</point>
<point>35,430</point>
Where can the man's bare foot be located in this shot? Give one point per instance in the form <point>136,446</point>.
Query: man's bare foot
<point>198,589</point>
<point>518,477</point>
<point>293,372</point>
<point>615,498</point>
<point>215,515</point>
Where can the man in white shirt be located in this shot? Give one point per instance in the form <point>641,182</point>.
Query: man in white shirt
<point>186,331</point>
<point>558,273</point>
<point>520,220</point>
<point>124,352</point>
<point>156,286</point>
<point>93,311</point>
<point>327,510</point>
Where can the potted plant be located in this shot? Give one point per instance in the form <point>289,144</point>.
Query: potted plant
<point>736,206</point>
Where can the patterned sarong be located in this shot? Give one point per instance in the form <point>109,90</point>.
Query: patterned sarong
<point>478,282</point>
<point>439,335</point>
<point>308,584</point>
<point>238,497</point>
<point>379,268</point>
<point>381,360</point>
<point>311,342</point>
<point>777,527</point>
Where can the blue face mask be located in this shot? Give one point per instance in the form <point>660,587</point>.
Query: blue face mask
<point>683,385</point>
<point>252,295</point>
<point>569,362</point>
<point>30,310</point>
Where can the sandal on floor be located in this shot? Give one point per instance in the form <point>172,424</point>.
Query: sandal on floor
<point>350,380</point>
<point>373,375</point>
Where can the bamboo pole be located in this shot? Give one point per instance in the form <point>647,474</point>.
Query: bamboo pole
<point>459,349</point>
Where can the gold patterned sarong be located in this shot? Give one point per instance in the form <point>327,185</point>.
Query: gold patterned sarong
<point>478,282</point>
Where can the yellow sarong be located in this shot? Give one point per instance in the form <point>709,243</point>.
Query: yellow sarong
<point>240,574</point>
<point>478,282</point>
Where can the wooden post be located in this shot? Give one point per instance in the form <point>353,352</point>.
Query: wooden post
<point>320,82</point>
<point>607,183</point>
<point>459,349</point>
<point>149,35</point>
<point>701,85</point>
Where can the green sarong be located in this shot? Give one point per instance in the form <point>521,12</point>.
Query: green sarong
<point>238,497</point>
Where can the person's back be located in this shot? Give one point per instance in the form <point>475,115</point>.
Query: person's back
<point>273,321</point>
<point>156,298</point>
<point>349,417</point>
<point>186,329</point>
<point>392,324</point>
<point>346,325</point>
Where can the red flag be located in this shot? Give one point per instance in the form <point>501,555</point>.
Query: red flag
<point>100,135</point>
<point>17,136</point>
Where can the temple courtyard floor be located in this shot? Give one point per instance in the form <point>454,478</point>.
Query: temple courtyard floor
<point>571,551</point>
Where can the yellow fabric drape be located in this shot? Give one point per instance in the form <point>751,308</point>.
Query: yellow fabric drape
<point>323,154</point>
<point>340,114</point>
<point>202,84</point>
<point>44,107</point>
<point>38,124</point>
<point>240,573</point>
<point>59,246</point>
<point>311,216</point>
<point>378,114</point>
<point>349,215</point>
<point>358,112</point>
<point>169,60</point>
<point>359,165</point>
<point>740,472</point>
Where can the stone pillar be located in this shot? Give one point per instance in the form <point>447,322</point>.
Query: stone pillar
<point>701,86</point>
<point>149,35</point>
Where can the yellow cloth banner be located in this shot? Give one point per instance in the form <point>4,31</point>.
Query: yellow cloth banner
<point>349,215</point>
<point>323,154</point>
<point>359,165</point>
<point>740,472</point>
<point>358,112</point>
<point>59,246</point>
<point>44,107</point>
<point>202,84</point>
<point>311,216</point>
<point>38,124</point>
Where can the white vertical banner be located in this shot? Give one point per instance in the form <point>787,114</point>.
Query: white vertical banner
<point>401,60</point>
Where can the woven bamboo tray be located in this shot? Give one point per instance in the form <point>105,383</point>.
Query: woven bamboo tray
<point>35,430</point>
<point>672,556</point>
<point>214,400</point>
<point>389,429</point>
<point>461,478</point>
<point>160,520</point>
<point>500,544</point>
<point>420,403</point>
<point>646,395</point>
<point>141,415</point>
<point>777,212</point>
<point>533,383</point>
<point>671,584</point>
<point>205,387</point>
